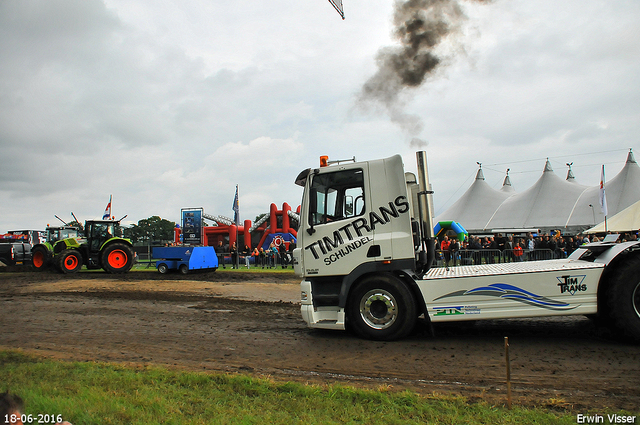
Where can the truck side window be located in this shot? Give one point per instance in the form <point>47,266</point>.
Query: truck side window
<point>338,196</point>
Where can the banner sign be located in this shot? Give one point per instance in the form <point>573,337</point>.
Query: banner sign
<point>192,226</point>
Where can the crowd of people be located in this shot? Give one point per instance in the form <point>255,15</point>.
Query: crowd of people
<point>274,255</point>
<point>507,248</point>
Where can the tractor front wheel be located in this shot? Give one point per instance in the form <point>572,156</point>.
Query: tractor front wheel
<point>69,261</point>
<point>117,258</point>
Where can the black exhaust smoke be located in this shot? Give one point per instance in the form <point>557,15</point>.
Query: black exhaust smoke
<point>420,26</point>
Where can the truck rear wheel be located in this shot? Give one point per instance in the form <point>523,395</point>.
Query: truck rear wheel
<point>117,258</point>
<point>183,269</point>
<point>69,261</point>
<point>624,297</point>
<point>162,268</point>
<point>382,308</point>
<point>40,258</point>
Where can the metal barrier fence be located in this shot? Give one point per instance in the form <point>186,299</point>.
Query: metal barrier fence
<point>468,257</point>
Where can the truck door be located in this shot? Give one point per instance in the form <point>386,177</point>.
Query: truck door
<point>335,237</point>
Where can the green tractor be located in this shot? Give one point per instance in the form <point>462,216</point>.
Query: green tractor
<point>101,248</point>
<point>42,253</point>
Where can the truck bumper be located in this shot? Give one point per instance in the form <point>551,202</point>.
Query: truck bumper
<point>319,317</point>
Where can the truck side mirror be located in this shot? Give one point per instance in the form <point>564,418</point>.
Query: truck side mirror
<point>348,206</point>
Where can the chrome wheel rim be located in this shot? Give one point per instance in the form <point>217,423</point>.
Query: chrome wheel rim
<point>378,309</point>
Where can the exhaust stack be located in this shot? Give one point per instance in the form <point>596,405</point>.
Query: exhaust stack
<point>427,255</point>
<point>424,197</point>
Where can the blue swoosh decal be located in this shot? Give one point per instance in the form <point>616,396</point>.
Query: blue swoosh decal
<point>511,292</point>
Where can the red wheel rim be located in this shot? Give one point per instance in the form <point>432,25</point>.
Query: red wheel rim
<point>71,262</point>
<point>117,259</point>
<point>38,259</point>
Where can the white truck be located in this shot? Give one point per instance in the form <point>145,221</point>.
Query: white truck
<point>366,245</point>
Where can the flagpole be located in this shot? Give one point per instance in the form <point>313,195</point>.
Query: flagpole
<point>603,199</point>
<point>237,220</point>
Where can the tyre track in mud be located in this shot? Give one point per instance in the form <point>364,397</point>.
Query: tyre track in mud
<point>219,322</point>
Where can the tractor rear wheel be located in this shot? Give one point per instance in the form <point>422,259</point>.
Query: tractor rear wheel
<point>69,261</point>
<point>117,258</point>
<point>40,258</point>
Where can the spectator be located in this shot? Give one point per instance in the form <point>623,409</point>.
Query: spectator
<point>282,250</point>
<point>234,255</point>
<point>256,255</point>
<point>518,252</point>
<point>454,247</point>
<point>246,252</point>
<point>220,253</point>
<point>531,247</point>
<point>444,247</point>
<point>273,255</point>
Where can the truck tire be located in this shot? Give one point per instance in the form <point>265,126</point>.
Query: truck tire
<point>623,297</point>
<point>117,258</point>
<point>69,261</point>
<point>162,268</point>
<point>40,258</point>
<point>183,269</point>
<point>381,308</point>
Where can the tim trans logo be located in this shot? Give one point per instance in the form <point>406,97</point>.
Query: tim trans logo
<point>571,284</point>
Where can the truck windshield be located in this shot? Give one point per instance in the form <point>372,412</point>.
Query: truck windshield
<point>336,196</point>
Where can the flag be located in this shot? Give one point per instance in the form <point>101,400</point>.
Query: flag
<point>236,209</point>
<point>603,196</point>
<point>107,211</point>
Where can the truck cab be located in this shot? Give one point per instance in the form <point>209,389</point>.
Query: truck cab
<point>366,246</point>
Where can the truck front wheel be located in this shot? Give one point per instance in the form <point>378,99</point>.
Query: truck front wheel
<point>117,258</point>
<point>624,297</point>
<point>382,308</point>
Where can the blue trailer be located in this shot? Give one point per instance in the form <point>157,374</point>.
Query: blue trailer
<point>185,258</point>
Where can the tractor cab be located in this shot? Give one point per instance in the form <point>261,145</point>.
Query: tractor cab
<point>55,234</point>
<point>100,231</point>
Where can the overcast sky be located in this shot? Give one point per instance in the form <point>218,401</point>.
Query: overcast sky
<point>166,104</point>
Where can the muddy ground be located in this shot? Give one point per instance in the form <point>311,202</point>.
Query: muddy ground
<point>251,324</point>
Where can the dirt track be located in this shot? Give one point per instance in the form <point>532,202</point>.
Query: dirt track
<point>251,323</point>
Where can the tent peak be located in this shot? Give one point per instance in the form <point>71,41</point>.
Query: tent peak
<point>479,174</point>
<point>630,157</point>
<point>547,166</point>
<point>570,176</point>
<point>506,184</point>
<point>507,180</point>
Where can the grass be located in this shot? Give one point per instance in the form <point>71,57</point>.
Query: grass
<point>102,393</point>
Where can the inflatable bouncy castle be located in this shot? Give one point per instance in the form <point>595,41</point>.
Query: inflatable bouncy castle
<point>278,226</point>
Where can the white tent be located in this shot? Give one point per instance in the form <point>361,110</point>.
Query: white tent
<point>545,205</point>
<point>625,221</point>
<point>476,206</point>
<point>551,203</point>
